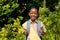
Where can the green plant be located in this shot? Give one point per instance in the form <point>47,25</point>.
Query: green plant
<point>12,31</point>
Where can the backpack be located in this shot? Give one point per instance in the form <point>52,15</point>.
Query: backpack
<point>38,28</point>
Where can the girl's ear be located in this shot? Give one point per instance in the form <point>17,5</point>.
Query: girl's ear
<point>29,14</point>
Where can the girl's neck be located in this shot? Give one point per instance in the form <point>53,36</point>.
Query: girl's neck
<point>33,20</point>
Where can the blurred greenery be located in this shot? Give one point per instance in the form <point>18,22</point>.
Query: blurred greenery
<point>13,14</point>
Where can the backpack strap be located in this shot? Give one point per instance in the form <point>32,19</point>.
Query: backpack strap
<point>38,28</point>
<point>28,28</point>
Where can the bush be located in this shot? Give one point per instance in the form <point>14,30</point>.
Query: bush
<point>52,23</point>
<point>12,31</point>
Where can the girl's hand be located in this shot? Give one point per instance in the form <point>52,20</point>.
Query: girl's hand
<point>25,31</point>
<point>42,31</point>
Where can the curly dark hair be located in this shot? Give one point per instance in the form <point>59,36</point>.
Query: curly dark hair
<point>32,6</point>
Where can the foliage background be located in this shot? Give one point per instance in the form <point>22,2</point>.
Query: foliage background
<point>13,14</point>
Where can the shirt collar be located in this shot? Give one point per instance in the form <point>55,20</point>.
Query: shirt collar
<point>35,21</point>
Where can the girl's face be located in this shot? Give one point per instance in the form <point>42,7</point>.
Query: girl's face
<point>33,13</point>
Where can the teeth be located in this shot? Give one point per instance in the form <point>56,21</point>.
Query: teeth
<point>33,17</point>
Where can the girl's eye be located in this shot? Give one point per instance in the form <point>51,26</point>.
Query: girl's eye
<point>33,13</point>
